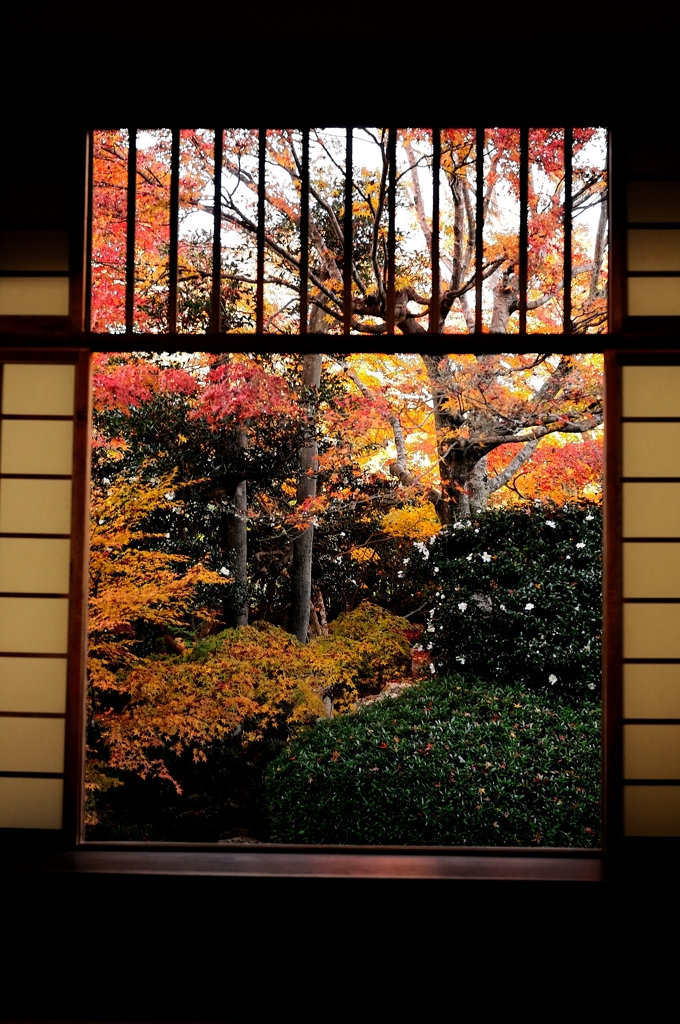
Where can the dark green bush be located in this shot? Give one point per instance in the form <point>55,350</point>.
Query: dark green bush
<point>453,762</point>
<point>520,597</point>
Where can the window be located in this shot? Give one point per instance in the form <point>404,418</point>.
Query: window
<point>289,206</point>
<point>660,165</point>
<point>238,231</point>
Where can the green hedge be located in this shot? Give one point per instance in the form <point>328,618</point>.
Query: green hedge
<point>519,597</point>
<point>452,762</point>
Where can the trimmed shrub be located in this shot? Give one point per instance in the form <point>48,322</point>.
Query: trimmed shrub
<point>258,680</point>
<point>519,597</point>
<point>451,762</point>
<point>383,638</point>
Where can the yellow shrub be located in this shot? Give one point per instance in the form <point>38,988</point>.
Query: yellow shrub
<point>382,649</point>
<point>412,522</point>
<point>257,677</point>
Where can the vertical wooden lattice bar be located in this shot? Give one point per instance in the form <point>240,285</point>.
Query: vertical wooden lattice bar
<point>261,183</point>
<point>347,237</point>
<point>87,318</point>
<point>391,226</point>
<point>131,226</point>
<point>568,168</point>
<point>523,225</point>
<point>434,242</point>
<point>215,299</point>
<point>174,232</point>
<point>479,230</point>
<point>304,232</point>
<point>44,426</point>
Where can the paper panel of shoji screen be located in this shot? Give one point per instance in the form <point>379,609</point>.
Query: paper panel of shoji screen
<point>30,802</point>
<point>36,445</point>
<point>650,390</point>
<point>652,810</point>
<point>651,449</point>
<point>653,202</point>
<point>34,296</point>
<point>651,593</point>
<point>649,510</point>
<point>654,250</point>
<point>35,506</point>
<point>654,296</point>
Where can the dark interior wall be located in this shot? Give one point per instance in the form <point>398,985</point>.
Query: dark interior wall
<point>111,948</point>
<point>464,63</point>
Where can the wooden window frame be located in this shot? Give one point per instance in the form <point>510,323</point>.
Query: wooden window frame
<point>38,339</point>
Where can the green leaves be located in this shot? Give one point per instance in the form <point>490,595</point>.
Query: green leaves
<point>520,597</point>
<point>452,762</point>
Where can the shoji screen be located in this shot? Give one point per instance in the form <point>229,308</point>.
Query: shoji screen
<point>653,248</point>
<point>34,268</point>
<point>646,222</point>
<point>43,469</point>
<point>648,496</point>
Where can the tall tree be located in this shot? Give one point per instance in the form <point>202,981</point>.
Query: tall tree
<point>479,406</point>
<point>301,573</point>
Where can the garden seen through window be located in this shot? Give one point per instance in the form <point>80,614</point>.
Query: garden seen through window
<point>315,616</point>
<point>346,597</point>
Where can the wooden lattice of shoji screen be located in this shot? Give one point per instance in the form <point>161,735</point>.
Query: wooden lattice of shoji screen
<point>44,440</point>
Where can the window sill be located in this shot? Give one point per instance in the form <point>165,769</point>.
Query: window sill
<point>478,865</point>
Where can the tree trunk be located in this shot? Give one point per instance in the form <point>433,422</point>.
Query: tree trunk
<point>235,533</point>
<point>505,300</point>
<point>460,496</point>
<point>301,573</point>
<point>478,487</point>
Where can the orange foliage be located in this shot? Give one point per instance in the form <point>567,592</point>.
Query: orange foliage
<point>132,586</point>
<point>559,471</point>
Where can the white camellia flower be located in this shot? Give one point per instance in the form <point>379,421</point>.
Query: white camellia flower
<point>581,544</point>
<point>169,495</point>
<point>419,546</point>
<point>400,574</point>
<point>529,606</point>
<point>469,557</point>
<point>432,669</point>
<point>462,605</point>
<point>552,679</point>
<point>503,608</point>
<point>549,522</point>
<point>436,568</point>
<point>406,560</point>
<point>591,686</point>
<point>486,557</point>
<point>224,571</point>
<point>589,517</point>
